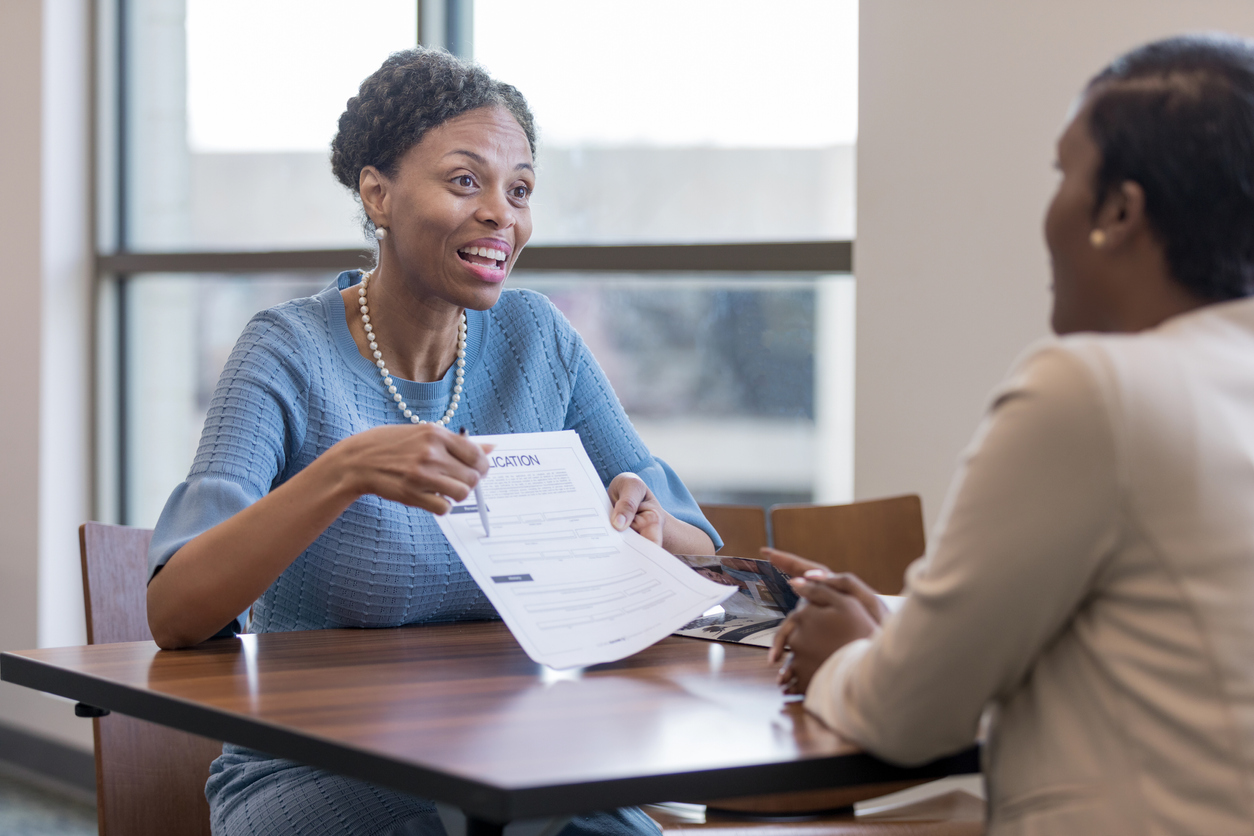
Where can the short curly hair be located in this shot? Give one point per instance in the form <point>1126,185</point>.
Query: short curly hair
<point>1177,117</point>
<point>414,91</point>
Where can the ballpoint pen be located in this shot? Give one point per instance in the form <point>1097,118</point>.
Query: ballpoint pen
<point>479,503</point>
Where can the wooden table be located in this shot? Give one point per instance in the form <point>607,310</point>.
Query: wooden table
<point>458,713</point>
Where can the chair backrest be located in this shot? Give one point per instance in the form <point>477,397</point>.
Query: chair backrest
<point>876,539</point>
<point>150,780</point>
<point>742,527</point>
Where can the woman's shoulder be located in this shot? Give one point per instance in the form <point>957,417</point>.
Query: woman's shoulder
<point>288,338</point>
<point>532,315</point>
<point>303,316</point>
<point>295,323</point>
<point>529,328</point>
<point>1136,377</point>
<point>520,300</point>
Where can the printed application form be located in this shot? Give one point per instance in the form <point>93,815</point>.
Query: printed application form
<point>571,589</point>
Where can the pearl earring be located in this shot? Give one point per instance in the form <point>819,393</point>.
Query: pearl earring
<point>380,233</point>
<point>1097,238</point>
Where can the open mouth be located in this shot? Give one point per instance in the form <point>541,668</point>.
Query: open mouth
<point>483,256</point>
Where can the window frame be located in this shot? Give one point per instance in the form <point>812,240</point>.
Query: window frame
<point>444,23</point>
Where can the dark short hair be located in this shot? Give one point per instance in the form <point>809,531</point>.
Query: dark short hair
<point>1177,117</point>
<point>414,91</point>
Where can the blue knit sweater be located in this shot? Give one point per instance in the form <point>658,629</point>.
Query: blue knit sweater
<point>296,384</point>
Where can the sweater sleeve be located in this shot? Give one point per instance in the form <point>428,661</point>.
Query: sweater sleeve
<point>1031,515</point>
<point>253,430</point>
<point>613,444</point>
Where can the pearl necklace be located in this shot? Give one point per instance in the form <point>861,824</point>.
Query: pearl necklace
<point>390,384</point>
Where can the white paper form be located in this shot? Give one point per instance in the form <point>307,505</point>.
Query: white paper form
<point>571,589</point>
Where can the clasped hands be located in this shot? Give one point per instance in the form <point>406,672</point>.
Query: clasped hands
<point>835,609</point>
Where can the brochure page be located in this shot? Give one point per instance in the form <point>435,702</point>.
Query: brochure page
<point>753,615</point>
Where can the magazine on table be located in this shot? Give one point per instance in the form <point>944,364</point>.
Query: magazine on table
<point>753,615</point>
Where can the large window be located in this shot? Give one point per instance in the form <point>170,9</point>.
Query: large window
<point>722,130</point>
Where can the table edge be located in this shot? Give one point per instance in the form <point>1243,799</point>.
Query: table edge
<point>478,798</point>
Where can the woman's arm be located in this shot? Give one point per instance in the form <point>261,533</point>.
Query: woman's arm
<point>1032,515</point>
<point>635,506</point>
<point>218,574</point>
<point>637,482</point>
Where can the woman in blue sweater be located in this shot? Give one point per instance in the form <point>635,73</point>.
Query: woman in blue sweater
<point>332,436</point>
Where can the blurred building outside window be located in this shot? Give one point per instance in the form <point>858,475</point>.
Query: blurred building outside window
<point>661,121</point>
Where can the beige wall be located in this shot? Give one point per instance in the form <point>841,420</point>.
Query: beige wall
<point>960,104</point>
<point>44,406</point>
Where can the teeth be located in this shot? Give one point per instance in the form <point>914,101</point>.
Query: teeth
<point>484,252</point>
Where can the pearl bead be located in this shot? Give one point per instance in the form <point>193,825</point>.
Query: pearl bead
<point>401,406</point>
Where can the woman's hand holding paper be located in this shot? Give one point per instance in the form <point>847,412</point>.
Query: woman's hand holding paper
<point>635,507</point>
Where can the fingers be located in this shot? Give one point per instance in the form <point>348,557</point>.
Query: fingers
<point>465,450</point>
<point>418,465</point>
<point>787,676</point>
<point>790,564</point>
<point>811,634</point>
<point>627,491</point>
<point>432,470</point>
<point>820,593</point>
<point>851,584</point>
<point>451,487</point>
<point>624,512</point>
<point>648,522</point>
<point>781,640</point>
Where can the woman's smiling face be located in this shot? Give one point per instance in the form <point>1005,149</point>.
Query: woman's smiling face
<point>457,209</point>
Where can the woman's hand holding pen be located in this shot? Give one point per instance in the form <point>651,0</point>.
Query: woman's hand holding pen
<point>834,610</point>
<point>421,465</point>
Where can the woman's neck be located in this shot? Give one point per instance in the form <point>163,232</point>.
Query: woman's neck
<point>417,335</point>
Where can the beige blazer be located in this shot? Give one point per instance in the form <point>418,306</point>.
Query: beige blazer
<point>1091,584</point>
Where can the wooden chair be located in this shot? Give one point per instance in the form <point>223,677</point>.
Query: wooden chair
<point>876,539</point>
<point>742,527</point>
<point>150,780</point>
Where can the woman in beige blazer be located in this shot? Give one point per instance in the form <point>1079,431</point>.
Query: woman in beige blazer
<point>1090,585</point>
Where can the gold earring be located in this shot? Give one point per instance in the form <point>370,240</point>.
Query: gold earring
<point>1097,238</point>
